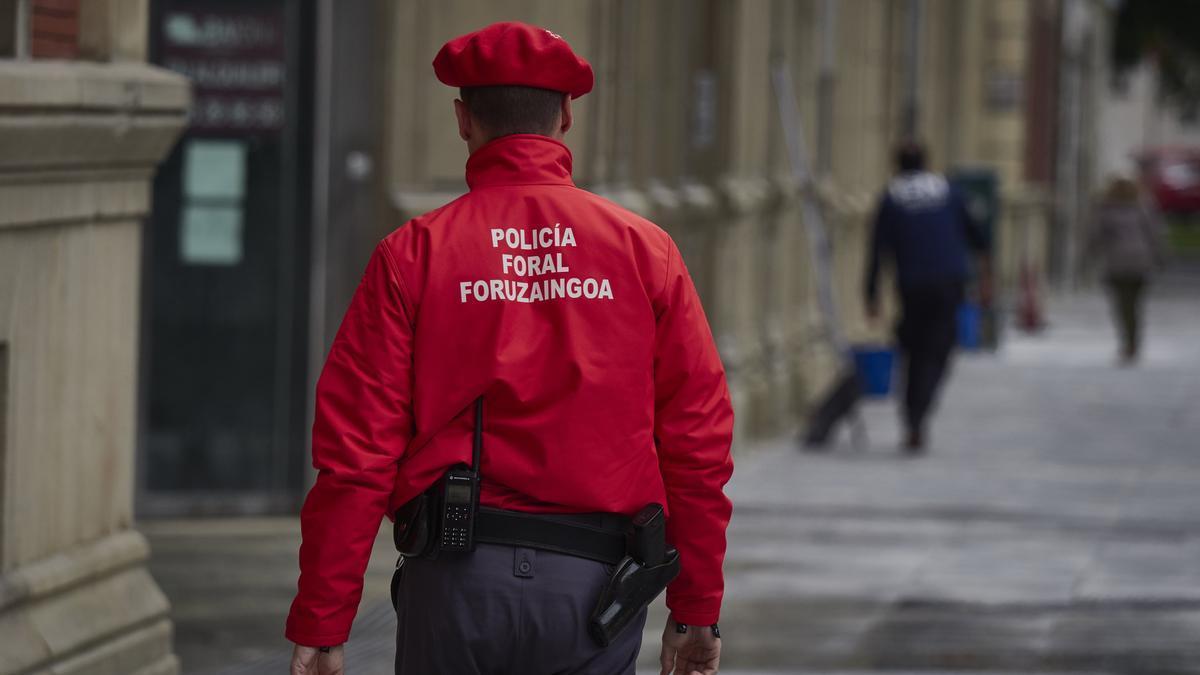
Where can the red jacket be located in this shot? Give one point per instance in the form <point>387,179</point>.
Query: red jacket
<point>578,323</point>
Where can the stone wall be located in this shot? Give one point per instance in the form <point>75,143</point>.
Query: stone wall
<point>79,143</point>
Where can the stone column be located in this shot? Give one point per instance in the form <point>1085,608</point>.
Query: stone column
<point>79,143</point>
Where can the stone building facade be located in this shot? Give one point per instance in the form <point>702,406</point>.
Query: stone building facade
<point>684,128</point>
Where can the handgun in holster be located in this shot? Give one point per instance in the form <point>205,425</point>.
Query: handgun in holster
<point>648,566</point>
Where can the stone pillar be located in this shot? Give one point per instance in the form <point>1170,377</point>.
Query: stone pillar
<point>79,143</point>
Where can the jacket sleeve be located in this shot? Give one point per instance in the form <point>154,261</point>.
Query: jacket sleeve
<point>693,428</point>
<point>362,424</point>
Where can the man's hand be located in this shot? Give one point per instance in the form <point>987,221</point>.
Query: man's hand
<point>696,652</point>
<point>312,661</point>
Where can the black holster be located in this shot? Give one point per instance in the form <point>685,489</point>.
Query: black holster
<point>631,589</point>
<point>415,528</point>
<point>648,566</point>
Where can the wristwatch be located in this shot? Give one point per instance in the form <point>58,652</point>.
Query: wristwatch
<point>682,629</point>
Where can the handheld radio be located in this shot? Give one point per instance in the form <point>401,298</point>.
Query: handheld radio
<point>460,496</point>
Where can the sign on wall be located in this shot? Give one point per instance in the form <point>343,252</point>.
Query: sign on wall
<point>214,188</point>
<point>235,59</point>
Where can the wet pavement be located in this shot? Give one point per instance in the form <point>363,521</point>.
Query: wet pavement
<point>1054,527</point>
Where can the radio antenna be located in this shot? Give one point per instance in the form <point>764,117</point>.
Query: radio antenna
<point>477,444</point>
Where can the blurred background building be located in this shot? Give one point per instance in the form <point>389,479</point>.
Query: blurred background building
<point>318,127</point>
<point>160,331</point>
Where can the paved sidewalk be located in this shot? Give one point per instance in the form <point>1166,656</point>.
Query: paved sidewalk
<point>1055,527</point>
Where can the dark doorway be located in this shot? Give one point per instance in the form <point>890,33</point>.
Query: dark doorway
<point>226,264</point>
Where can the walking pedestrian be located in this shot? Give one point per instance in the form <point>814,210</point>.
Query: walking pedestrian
<point>1127,240</point>
<point>522,378</point>
<point>923,226</point>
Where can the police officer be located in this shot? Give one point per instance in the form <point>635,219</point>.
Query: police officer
<point>573,330</point>
<point>923,225</point>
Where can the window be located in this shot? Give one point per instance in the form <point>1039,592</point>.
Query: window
<point>214,185</point>
<point>41,29</point>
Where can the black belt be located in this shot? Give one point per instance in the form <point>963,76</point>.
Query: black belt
<point>595,536</point>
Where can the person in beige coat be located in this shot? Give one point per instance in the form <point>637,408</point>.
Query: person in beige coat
<point>1127,242</point>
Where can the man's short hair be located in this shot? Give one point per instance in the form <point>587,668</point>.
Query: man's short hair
<point>910,156</point>
<point>505,110</point>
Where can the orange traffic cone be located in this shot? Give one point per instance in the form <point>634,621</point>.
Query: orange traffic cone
<point>1029,310</point>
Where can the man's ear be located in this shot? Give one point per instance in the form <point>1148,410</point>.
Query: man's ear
<point>567,119</point>
<point>466,126</point>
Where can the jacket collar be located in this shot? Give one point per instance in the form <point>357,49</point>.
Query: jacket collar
<point>520,159</point>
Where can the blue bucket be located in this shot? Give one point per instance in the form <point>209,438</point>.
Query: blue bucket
<point>970,323</point>
<point>874,366</point>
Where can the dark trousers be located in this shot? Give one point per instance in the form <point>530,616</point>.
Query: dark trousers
<point>505,610</point>
<point>1126,293</point>
<point>926,333</point>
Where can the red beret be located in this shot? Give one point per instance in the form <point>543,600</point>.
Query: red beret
<point>513,53</point>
